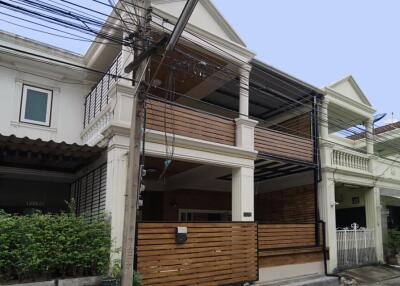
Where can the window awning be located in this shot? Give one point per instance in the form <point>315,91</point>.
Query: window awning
<point>45,155</point>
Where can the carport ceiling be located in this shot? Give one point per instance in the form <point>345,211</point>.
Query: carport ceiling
<point>266,169</point>
<point>270,95</point>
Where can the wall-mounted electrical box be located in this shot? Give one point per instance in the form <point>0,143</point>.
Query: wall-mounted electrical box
<point>181,234</point>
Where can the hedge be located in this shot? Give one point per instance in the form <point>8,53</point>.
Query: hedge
<point>48,246</point>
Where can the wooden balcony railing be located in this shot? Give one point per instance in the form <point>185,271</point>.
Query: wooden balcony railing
<point>176,119</point>
<point>98,98</point>
<point>276,143</point>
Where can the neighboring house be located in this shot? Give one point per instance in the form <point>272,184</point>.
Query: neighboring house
<point>359,176</point>
<point>227,138</point>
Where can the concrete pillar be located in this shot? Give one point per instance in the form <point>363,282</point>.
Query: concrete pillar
<point>327,209</point>
<point>369,126</point>
<point>243,194</point>
<point>244,91</point>
<point>117,163</point>
<point>245,133</point>
<point>374,221</point>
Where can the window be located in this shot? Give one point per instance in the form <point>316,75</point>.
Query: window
<point>36,105</point>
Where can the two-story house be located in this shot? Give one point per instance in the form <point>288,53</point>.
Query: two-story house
<point>227,141</point>
<point>359,176</point>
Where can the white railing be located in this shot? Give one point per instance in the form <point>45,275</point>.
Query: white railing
<point>348,160</point>
<point>355,246</point>
<point>92,134</point>
<point>98,98</point>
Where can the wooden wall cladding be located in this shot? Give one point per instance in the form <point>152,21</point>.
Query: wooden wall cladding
<point>299,125</point>
<point>276,143</point>
<point>176,119</point>
<point>214,254</point>
<point>293,205</point>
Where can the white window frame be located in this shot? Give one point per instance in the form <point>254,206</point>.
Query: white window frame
<point>25,88</point>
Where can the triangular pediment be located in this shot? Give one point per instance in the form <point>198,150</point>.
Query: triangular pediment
<point>348,87</point>
<point>205,17</point>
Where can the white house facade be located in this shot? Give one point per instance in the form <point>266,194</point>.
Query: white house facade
<point>356,170</point>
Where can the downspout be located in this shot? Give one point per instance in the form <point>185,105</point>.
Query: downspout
<point>324,251</point>
<point>316,173</point>
<point>318,180</point>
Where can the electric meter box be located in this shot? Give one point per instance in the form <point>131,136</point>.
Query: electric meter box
<point>181,234</point>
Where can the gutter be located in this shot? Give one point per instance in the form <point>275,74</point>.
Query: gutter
<point>324,251</point>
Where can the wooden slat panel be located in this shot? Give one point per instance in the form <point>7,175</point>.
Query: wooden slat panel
<point>277,236</point>
<point>214,254</point>
<point>279,144</point>
<point>284,244</point>
<point>183,121</point>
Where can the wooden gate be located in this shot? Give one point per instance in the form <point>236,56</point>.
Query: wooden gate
<point>214,254</point>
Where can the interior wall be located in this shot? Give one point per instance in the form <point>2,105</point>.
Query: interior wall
<point>299,126</point>
<point>291,205</point>
<point>196,200</point>
<point>350,207</point>
<point>21,196</point>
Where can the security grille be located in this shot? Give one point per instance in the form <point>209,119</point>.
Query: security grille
<point>89,193</point>
<point>355,246</point>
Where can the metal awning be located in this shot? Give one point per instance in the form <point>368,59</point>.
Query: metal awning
<point>390,193</point>
<point>45,155</point>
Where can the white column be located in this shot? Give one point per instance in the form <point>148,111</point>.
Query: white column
<point>373,215</point>
<point>245,133</point>
<point>327,208</point>
<point>244,91</point>
<point>369,126</point>
<point>116,187</point>
<point>243,194</point>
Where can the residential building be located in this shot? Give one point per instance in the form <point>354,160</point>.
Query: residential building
<point>359,176</point>
<point>228,140</point>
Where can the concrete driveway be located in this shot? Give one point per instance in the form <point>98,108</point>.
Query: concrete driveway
<point>372,275</point>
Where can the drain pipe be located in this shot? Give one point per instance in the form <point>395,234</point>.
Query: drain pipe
<point>324,251</point>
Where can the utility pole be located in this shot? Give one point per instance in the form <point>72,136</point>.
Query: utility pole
<point>134,168</point>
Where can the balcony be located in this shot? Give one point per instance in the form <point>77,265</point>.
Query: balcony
<point>345,159</point>
<point>278,144</point>
<point>181,120</point>
<point>98,98</point>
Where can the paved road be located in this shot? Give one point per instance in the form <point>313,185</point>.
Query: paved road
<point>380,275</point>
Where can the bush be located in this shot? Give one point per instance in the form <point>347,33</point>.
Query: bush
<point>394,241</point>
<point>48,246</point>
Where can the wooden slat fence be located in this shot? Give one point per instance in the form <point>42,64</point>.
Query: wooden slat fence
<point>276,143</point>
<point>176,119</point>
<point>214,254</point>
<point>284,244</point>
<point>275,236</point>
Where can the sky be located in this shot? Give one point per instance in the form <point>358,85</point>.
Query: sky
<point>316,41</point>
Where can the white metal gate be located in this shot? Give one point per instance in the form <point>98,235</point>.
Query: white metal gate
<point>355,246</point>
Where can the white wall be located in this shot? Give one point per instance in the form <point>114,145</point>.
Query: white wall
<point>67,106</point>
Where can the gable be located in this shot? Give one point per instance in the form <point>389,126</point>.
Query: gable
<point>205,16</point>
<point>349,88</point>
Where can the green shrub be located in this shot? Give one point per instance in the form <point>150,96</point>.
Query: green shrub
<point>394,241</point>
<point>47,246</point>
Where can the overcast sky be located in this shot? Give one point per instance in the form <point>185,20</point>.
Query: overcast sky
<point>317,41</point>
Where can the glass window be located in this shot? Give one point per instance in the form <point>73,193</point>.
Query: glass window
<point>36,105</point>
